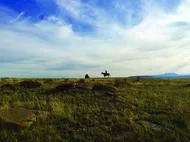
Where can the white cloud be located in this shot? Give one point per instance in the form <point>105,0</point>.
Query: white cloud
<point>18,17</point>
<point>155,45</point>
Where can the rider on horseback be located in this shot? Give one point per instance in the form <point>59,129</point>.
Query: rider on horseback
<point>106,74</point>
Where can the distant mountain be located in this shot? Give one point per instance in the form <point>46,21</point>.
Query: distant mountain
<point>165,75</point>
<point>170,74</point>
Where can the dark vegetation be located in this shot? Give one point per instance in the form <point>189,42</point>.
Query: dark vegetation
<point>30,84</point>
<point>114,109</point>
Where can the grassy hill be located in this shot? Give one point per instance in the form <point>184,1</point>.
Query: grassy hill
<point>139,110</point>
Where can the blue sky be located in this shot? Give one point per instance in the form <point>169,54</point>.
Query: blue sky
<point>69,38</point>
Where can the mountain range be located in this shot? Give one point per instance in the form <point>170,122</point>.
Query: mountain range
<point>165,75</point>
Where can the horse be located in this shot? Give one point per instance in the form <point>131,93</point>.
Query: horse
<point>106,74</point>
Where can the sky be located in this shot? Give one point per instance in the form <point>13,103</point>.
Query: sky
<point>71,38</point>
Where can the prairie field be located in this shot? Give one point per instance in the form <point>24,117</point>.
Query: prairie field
<point>124,109</point>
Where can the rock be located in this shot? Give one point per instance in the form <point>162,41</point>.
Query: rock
<point>87,76</point>
<point>64,87</point>
<point>102,87</point>
<point>83,87</point>
<point>14,118</point>
<point>8,87</point>
<point>30,84</point>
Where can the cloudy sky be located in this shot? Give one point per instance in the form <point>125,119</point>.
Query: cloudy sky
<point>69,38</point>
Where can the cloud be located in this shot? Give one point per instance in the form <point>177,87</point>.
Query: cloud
<point>125,38</point>
<point>73,67</point>
<point>18,17</point>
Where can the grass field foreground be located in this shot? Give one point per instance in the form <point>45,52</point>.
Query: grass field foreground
<point>140,110</point>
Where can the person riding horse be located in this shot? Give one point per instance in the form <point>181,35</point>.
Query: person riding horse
<point>106,73</point>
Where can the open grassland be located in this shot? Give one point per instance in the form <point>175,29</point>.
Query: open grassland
<point>139,110</point>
